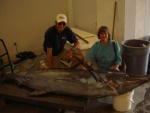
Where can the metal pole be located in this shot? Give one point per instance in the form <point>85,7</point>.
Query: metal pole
<point>114,19</point>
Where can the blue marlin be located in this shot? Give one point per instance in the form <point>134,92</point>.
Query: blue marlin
<point>77,82</point>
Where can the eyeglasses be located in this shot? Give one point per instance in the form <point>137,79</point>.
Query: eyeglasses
<point>62,23</point>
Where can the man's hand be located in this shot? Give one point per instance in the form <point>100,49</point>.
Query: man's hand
<point>68,55</point>
<point>88,63</point>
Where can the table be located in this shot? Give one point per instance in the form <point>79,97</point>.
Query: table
<point>21,94</point>
<point>84,47</point>
<point>11,91</point>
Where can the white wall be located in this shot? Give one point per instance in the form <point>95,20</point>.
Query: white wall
<point>25,22</point>
<point>105,16</point>
<point>130,14</point>
<point>140,19</point>
<point>89,15</point>
<point>85,15</point>
<point>137,18</point>
<point>147,19</point>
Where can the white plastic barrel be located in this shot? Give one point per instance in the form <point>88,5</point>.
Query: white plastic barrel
<point>123,102</point>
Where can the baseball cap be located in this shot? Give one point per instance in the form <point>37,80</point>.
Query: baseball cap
<point>61,18</point>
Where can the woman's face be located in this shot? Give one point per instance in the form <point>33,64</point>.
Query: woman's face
<point>104,36</point>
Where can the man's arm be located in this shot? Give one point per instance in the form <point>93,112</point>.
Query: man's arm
<point>69,53</point>
<point>75,45</point>
<point>49,57</point>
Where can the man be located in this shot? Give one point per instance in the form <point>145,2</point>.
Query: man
<point>55,40</point>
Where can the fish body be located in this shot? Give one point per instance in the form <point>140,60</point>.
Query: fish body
<point>78,82</point>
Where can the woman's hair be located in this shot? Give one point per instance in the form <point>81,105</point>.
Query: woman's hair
<point>103,29</point>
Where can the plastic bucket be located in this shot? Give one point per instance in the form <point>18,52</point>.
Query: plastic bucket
<point>136,55</point>
<point>123,102</point>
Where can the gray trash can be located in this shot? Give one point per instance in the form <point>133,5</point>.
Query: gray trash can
<point>147,38</point>
<point>136,55</point>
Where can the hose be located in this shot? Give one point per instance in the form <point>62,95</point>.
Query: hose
<point>25,61</point>
<point>14,65</point>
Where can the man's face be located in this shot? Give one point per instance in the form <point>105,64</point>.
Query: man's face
<point>60,26</point>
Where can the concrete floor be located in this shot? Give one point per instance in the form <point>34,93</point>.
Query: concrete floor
<point>16,107</point>
<point>141,97</point>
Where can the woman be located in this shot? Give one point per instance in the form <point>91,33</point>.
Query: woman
<point>102,52</point>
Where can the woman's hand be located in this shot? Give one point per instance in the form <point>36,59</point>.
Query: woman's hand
<point>83,68</point>
<point>116,67</point>
<point>88,63</point>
